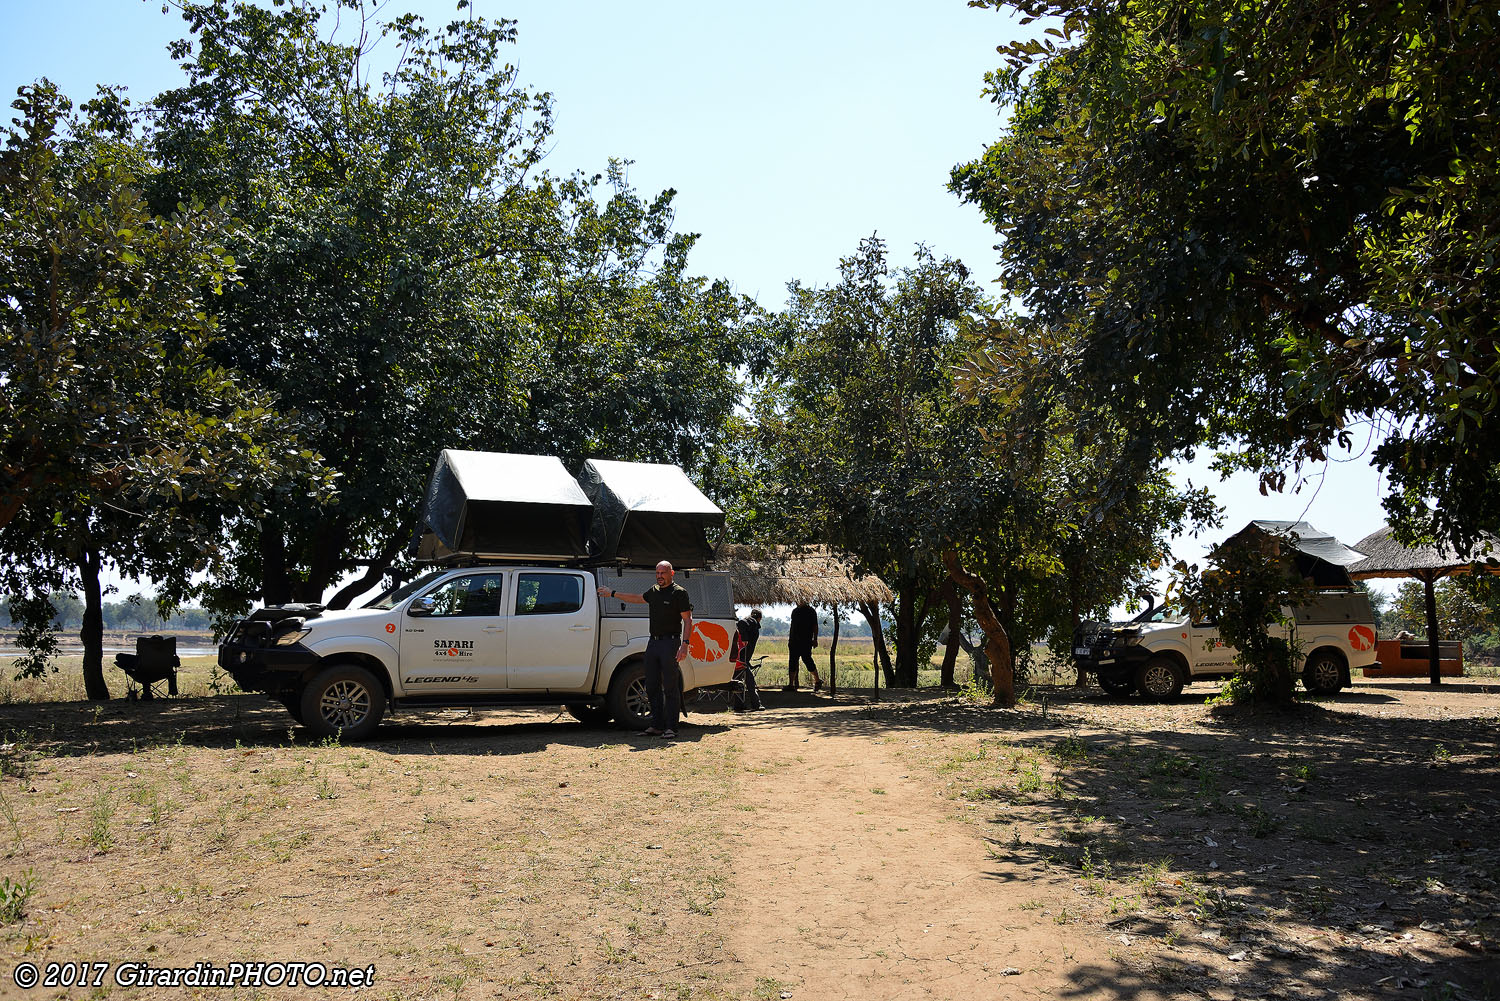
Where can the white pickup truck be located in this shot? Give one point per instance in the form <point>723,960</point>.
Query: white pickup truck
<point>491,636</point>
<point>1161,650</point>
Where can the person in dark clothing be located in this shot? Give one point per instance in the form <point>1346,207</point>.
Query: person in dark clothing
<point>802,637</point>
<point>746,635</point>
<point>671,629</point>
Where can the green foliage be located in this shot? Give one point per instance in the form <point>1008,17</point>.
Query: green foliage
<point>1249,594</point>
<point>122,440</point>
<point>862,441</point>
<point>1460,611</point>
<point>412,282</point>
<point>1262,223</point>
<point>869,446</point>
<point>14,896</point>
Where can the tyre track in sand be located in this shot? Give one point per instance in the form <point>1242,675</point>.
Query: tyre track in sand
<point>857,880</point>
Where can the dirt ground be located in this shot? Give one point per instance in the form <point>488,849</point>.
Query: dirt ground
<point>1076,847</point>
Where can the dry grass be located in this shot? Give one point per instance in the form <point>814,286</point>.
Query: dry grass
<point>520,860</point>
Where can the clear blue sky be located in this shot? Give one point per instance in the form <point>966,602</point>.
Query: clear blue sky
<point>790,131</point>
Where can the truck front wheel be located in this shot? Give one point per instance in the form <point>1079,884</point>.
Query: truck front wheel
<point>344,700</point>
<point>1115,684</point>
<point>628,702</point>
<point>1159,679</point>
<point>292,701</point>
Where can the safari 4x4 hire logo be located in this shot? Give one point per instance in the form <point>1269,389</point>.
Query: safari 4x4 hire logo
<point>709,642</point>
<point>453,648</point>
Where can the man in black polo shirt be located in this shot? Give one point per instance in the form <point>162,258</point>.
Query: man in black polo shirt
<point>671,628</point>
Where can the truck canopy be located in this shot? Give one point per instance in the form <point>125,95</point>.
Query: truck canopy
<point>1318,556</point>
<point>502,505</point>
<point>645,512</point>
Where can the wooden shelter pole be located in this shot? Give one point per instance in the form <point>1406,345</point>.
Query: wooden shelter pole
<point>833,646</point>
<point>1429,592</point>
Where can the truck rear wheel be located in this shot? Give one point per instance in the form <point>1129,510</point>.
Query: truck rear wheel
<point>628,702</point>
<point>1159,679</point>
<point>345,701</point>
<point>1324,673</point>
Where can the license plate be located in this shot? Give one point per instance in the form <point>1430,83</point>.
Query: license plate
<point>1080,651</point>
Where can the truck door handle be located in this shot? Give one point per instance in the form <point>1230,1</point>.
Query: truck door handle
<point>494,629</point>
<point>579,629</point>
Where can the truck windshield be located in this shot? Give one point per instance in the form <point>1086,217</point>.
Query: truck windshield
<point>1161,613</point>
<point>396,595</point>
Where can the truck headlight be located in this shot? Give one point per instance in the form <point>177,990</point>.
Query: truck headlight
<point>287,639</point>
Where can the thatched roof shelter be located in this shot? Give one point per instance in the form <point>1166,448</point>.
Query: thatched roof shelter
<point>1387,558</point>
<point>785,575</point>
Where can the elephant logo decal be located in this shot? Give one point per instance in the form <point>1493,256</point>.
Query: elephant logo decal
<point>1362,638</point>
<point>709,642</point>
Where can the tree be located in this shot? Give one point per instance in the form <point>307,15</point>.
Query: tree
<point>1249,593</point>
<point>122,441</point>
<point>853,414</point>
<point>411,282</point>
<point>1460,612</point>
<point>871,448</point>
<point>1262,223</point>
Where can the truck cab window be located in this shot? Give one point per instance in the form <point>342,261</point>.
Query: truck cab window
<point>468,596</point>
<point>548,593</point>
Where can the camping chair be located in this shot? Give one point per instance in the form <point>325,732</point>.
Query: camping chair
<point>155,659</point>
<point>739,694</point>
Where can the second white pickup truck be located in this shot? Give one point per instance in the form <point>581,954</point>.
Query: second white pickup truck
<point>1161,650</point>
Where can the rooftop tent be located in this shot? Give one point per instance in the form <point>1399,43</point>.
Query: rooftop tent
<point>1318,556</point>
<point>501,505</point>
<point>646,512</point>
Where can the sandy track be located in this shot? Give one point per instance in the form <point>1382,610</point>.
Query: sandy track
<point>862,885</point>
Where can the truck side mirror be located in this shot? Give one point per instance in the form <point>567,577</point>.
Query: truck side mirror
<point>420,606</point>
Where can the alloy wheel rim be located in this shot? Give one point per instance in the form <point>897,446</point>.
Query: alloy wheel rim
<point>1325,674</point>
<point>345,704</point>
<point>1158,680</point>
<point>637,700</point>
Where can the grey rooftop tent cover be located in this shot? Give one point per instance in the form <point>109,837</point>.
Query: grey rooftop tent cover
<point>501,505</point>
<point>646,512</point>
<point>1318,556</point>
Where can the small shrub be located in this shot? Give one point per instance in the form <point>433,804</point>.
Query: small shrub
<point>1070,751</point>
<point>17,755</point>
<point>14,895</point>
<point>100,814</point>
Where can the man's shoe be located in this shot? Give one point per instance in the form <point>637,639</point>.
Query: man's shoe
<point>650,731</point>
<point>669,735</point>
<point>818,685</point>
<point>788,688</point>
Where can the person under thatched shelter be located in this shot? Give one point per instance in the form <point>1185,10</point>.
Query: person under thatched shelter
<point>786,575</point>
<point>1387,558</point>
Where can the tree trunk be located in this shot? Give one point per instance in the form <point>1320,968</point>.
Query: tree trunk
<point>871,612</point>
<point>833,647</point>
<point>92,631</point>
<point>906,633</point>
<point>275,586</point>
<point>1075,615</point>
<point>1002,668</point>
<point>377,569</point>
<point>1429,592</point>
<point>955,633</point>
